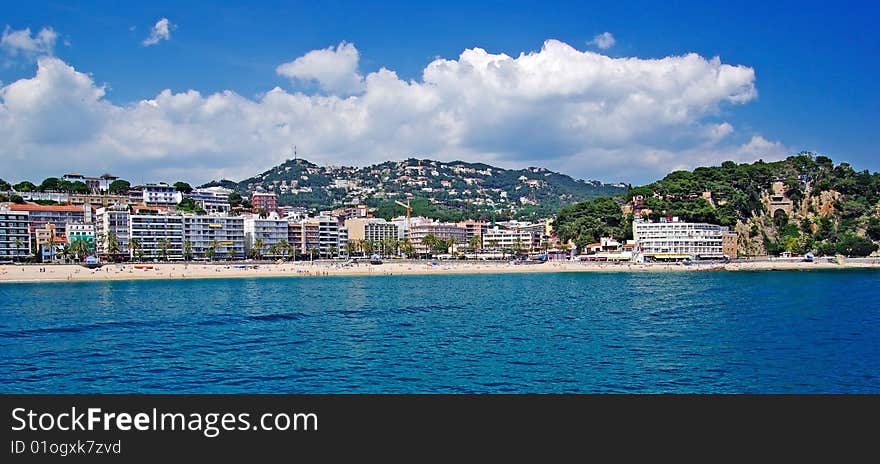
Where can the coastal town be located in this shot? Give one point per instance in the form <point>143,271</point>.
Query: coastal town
<point>173,223</point>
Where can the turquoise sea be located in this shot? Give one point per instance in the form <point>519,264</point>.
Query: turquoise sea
<point>683,332</point>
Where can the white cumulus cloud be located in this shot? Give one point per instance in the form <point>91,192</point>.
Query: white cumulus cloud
<point>575,111</point>
<point>21,42</point>
<point>160,31</point>
<point>604,41</point>
<point>334,69</point>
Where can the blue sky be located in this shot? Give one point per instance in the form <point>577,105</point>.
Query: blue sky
<point>813,70</point>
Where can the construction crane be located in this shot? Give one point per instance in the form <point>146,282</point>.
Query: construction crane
<point>408,214</point>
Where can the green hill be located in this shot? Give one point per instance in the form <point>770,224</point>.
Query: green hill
<point>803,203</point>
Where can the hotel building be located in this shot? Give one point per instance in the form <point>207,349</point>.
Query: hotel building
<point>15,238</point>
<point>112,223</point>
<point>674,239</point>
<point>270,231</point>
<point>373,229</point>
<point>150,231</point>
<point>224,234</point>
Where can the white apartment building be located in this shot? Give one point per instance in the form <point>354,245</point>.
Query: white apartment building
<point>15,240</point>
<point>328,235</point>
<point>373,229</point>
<point>212,199</point>
<point>150,232</point>
<point>441,230</point>
<point>225,235</point>
<point>160,194</point>
<point>495,239</point>
<point>271,231</point>
<point>677,239</point>
<point>112,223</point>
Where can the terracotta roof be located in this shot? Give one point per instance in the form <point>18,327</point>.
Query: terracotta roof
<point>59,208</point>
<point>594,245</point>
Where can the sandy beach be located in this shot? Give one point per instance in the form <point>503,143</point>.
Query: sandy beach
<point>129,271</point>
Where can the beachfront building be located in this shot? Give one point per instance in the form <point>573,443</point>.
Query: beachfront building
<point>15,238</point>
<point>497,239</point>
<point>211,199</point>
<point>154,236</point>
<point>213,237</point>
<point>81,231</point>
<point>57,215</point>
<point>261,234</point>
<point>328,236</point>
<point>402,223</point>
<point>160,194</point>
<point>473,228</point>
<point>372,229</point>
<point>674,239</point>
<point>265,201</point>
<point>112,230</point>
<point>441,230</point>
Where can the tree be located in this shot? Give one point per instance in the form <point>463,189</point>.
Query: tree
<point>187,250</point>
<point>134,246</point>
<point>112,243</point>
<point>475,243</point>
<point>234,199</point>
<point>430,241</point>
<point>333,251</point>
<point>5,186</point>
<point>407,248</point>
<point>24,186</point>
<point>163,244</point>
<point>350,247</point>
<point>852,245</point>
<point>80,249</point>
<point>181,186</point>
<point>441,246</point>
<point>259,244</point>
<point>283,248</point>
<point>76,187</point>
<point>119,187</point>
<point>51,184</point>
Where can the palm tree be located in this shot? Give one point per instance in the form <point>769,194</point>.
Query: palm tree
<point>518,246</point>
<point>187,250</point>
<point>18,243</point>
<point>64,252</point>
<point>351,247</point>
<point>475,243</point>
<point>230,253</point>
<point>367,246</point>
<point>80,249</point>
<point>134,246</point>
<point>258,247</point>
<point>283,248</point>
<point>163,244</point>
<point>407,248</point>
<point>333,251</point>
<point>429,242</point>
<point>390,244</point>
<point>273,250</point>
<point>112,244</point>
<point>442,246</point>
<point>211,252</point>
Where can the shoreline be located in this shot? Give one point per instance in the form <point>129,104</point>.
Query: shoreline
<point>166,271</point>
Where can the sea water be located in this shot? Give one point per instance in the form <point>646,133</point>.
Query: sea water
<point>640,332</point>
